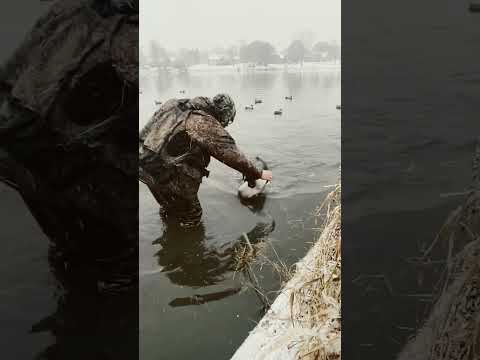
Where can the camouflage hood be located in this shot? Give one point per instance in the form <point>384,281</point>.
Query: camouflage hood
<point>221,107</point>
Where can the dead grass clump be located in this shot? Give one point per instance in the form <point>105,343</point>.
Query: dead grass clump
<point>247,253</point>
<point>452,329</point>
<point>244,256</point>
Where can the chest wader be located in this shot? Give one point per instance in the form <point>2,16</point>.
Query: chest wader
<point>160,171</point>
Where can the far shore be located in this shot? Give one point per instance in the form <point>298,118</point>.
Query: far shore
<point>246,68</point>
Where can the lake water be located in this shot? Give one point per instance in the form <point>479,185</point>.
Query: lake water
<point>301,147</point>
<point>410,123</point>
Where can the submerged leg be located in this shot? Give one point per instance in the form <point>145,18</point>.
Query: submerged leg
<point>189,212</point>
<point>179,201</point>
<point>183,203</point>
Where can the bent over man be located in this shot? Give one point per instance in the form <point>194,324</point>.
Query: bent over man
<point>175,149</point>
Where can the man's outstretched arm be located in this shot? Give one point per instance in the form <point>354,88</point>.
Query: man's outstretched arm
<point>209,134</point>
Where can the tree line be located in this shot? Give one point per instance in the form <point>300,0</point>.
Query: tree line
<point>256,52</point>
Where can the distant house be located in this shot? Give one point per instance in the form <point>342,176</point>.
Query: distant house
<point>214,59</point>
<point>278,59</point>
<point>324,51</point>
<point>318,56</point>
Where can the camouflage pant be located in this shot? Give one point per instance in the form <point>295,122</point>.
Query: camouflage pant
<point>178,198</point>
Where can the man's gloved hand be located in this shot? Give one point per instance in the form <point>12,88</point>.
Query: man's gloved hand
<point>267,175</point>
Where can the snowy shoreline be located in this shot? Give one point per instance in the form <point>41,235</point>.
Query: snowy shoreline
<point>247,68</point>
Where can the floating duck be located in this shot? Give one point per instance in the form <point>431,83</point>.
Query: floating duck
<point>339,107</point>
<point>289,97</point>
<point>258,101</point>
<point>158,102</point>
<point>182,91</point>
<point>249,107</point>
<point>278,112</point>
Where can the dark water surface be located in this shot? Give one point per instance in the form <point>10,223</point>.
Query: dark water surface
<point>410,87</point>
<point>302,147</point>
<point>27,285</point>
<point>54,310</point>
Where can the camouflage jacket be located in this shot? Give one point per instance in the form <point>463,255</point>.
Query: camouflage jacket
<point>203,136</point>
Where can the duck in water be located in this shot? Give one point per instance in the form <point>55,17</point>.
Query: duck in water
<point>250,190</point>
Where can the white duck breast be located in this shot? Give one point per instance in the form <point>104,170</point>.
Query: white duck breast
<point>246,192</point>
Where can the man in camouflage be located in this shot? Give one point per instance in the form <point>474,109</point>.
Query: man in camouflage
<point>173,171</point>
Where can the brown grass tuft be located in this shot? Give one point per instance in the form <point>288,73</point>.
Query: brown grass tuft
<point>315,303</point>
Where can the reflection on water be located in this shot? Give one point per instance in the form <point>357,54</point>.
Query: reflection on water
<point>255,204</point>
<point>96,306</point>
<point>187,260</point>
<point>255,81</point>
<point>204,298</point>
<point>59,306</point>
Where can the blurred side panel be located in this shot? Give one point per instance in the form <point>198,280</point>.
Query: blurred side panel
<point>68,180</point>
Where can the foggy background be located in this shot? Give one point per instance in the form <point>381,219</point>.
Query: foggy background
<point>213,25</point>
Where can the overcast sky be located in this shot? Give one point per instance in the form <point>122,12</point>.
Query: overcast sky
<point>209,23</point>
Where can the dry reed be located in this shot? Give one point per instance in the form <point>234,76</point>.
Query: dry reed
<point>315,302</point>
<point>451,331</point>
